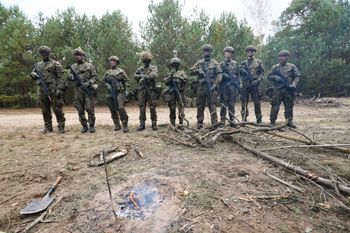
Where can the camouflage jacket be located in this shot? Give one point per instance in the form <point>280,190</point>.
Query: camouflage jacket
<point>229,67</point>
<point>289,71</point>
<point>214,72</point>
<point>86,71</point>
<point>152,73</point>
<point>179,78</point>
<point>52,73</point>
<point>256,69</point>
<point>118,76</point>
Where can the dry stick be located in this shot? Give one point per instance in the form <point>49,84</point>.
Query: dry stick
<point>9,223</point>
<point>109,187</point>
<point>233,210</point>
<point>179,141</point>
<point>326,182</point>
<point>41,218</point>
<point>306,146</point>
<point>139,153</point>
<point>234,131</point>
<point>340,149</point>
<point>328,193</point>
<point>301,134</point>
<point>10,198</point>
<point>284,182</point>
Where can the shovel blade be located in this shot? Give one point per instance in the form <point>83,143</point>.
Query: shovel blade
<point>37,205</point>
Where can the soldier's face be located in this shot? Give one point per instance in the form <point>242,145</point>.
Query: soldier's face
<point>175,66</point>
<point>79,57</point>
<point>283,59</point>
<point>207,53</point>
<point>228,55</point>
<point>250,53</point>
<point>146,62</point>
<point>45,56</point>
<point>113,63</point>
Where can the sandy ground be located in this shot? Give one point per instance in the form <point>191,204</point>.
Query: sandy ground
<point>192,184</point>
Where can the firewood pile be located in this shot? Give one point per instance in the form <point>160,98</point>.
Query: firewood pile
<point>287,148</point>
<point>324,102</point>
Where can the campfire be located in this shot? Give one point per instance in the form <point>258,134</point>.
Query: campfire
<point>139,202</point>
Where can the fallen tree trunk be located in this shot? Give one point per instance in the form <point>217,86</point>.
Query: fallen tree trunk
<point>308,142</point>
<point>323,181</point>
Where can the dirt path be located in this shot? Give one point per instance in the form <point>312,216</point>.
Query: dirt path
<point>188,185</point>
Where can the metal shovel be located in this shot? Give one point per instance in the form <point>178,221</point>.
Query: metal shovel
<point>38,205</point>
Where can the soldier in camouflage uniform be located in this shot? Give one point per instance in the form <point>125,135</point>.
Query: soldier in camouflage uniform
<point>229,85</point>
<point>146,76</point>
<point>176,82</point>
<point>209,76</point>
<point>252,71</point>
<point>285,77</point>
<point>117,82</point>
<point>82,100</point>
<point>52,88</point>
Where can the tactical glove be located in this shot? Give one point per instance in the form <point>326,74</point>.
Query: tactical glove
<point>201,73</point>
<point>70,77</point>
<point>34,75</point>
<point>85,85</point>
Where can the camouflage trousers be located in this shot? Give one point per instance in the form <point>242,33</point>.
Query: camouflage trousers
<point>144,97</point>
<point>254,92</point>
<point>83,102</point>
<point>173,102</point>
<point>227,101</point>
<point>204,98</point>
<point>279,96</point>
<point>57,106</point>
<point>117,109</point>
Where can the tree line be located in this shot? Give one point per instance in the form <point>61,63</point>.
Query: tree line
<point>316,32</point>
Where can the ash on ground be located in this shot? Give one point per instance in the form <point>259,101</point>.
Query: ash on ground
<point>140,202</point>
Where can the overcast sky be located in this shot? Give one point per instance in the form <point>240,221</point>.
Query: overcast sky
<point>136,10</point>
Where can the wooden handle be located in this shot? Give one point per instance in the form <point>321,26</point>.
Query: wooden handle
<point>57,182</point>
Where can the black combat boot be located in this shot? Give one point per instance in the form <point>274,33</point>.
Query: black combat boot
<point>172,122</point>
<point>84,129</point>
<point>199,125</point>
<point>291,124</point>
<point>181,123</point>
<point>125,127</point>
<point>272,124</point>
<point>61,129</point>
<point>258,121</point>
<point>92,128</point>
<point>154,125</point>
<point>47,129</point>
<point>141,127</point>
<point>223,122</point>
<point>117,127</point>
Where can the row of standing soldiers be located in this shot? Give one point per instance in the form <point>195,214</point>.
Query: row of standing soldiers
<point>225,80</point>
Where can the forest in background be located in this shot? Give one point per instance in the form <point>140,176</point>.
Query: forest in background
<point>316,32</point>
